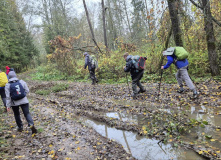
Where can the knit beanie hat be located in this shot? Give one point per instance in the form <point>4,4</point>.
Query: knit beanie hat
<point>12,74</point>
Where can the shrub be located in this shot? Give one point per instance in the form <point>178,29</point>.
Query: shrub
<point>60,87</point>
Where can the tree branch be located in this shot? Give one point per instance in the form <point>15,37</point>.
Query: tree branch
<point>214,20</point>
<point>195,4</point>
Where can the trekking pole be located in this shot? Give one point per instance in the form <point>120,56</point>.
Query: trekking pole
<point>128,84</point>
<point>161,74</point>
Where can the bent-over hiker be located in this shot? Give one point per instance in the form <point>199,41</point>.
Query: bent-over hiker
<point>182,66</point>
<point>3,82</point>
<point>16,91</point>
<point>91,68</point>
<point>136,75</point>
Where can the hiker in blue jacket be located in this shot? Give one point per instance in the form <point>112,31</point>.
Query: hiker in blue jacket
<point>182,73</point>
<point>136,75</point>
<point>90,68</point>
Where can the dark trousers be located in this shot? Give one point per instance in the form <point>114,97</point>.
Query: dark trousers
<point>25,110</point>
<point>3,96</point>
<point>92,76</point>
<point>136,82</point>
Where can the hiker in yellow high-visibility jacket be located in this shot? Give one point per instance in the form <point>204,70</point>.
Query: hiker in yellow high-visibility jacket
<point>3,81</point>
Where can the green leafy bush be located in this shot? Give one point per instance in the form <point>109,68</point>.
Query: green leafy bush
<point>43,92</point>
<point>60,87</point>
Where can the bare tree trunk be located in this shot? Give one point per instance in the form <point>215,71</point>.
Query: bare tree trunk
<point>104,25</point>
<point>208,22</point>
<point>173,9</point>
<point>113,31</point>
<point>128,21</point>
<point>89,23</point>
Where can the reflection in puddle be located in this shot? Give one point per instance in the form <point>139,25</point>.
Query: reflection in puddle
<point>144,148</point>
<point>141,147</point>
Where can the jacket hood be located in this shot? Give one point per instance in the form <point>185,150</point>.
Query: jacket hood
<point>7,67</point>
<point>86,54</point>
<point>12,74</point>
<point>128,58</point>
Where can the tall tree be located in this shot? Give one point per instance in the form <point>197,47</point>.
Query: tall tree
<point>173,9</point>
<point>208,26</point>
<point>89,23</point>
<point>104,24</point>
<point>17,48</point>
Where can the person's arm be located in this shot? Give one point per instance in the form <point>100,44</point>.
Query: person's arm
<point>169,62</point>
<point>127,67</point>
<point>86,62</point>
<point>24,84</point>
<point>7,93</point>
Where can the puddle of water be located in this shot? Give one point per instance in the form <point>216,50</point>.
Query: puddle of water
<point>139,146</point>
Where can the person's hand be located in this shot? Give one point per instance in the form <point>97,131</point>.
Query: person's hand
<point>162,67</point>
<point>124,67</point>
<point>8,109</point>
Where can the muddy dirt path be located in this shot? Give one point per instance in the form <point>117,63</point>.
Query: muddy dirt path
<point>70,123</point>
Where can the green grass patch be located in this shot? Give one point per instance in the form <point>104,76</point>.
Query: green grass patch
<point>43,92</point>
<point>60,87</point>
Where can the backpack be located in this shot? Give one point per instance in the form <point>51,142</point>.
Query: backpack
<point>179,52</point>
<point>3,79</point>
<point>93,61</point>
<point>17,91</point>
<point>138,62</point>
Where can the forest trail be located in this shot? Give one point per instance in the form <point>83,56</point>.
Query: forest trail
<point>64,134</point>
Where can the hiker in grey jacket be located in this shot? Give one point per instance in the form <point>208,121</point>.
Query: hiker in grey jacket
<point>23,103</point>
<point>90,68</point>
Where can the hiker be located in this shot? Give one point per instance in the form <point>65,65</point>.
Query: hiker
<point>16,91</point>
<point>3,81</point>
<point>8,69</point>
<point>91,68</point>
<point>136,75</point>
<point>182,66</point>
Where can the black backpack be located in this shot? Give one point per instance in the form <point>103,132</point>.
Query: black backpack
<point>17,91</point>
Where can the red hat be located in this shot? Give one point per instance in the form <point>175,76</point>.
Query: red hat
<point>7,67</point>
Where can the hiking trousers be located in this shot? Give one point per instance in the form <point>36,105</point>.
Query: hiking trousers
<point>3,96</point>
<point>182,75</point>
<point>25,110</point>
<point>92,76</point>
<point>136,82</point>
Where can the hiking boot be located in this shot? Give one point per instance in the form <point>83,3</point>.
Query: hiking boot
<point>134,96</point>
<point>181,90</point>
<point>141,91</point>
<point>33,129</point>
<point>195,95</point>
<point>20,129</point>
<point>93,83</point>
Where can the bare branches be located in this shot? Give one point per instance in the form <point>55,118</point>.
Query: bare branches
<point>201,7</point>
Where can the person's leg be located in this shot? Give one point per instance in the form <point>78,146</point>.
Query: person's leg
<point>188,81</point>
<point>179,80</point>
<point>17,117</point>
<point>92,76</point>
<point>186,78</point>
<point>142,89</point>
<point>3,96</point>
<point>25,109</point>
<point>134,88</point>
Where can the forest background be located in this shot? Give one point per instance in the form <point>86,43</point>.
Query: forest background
<point>49,37</point>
